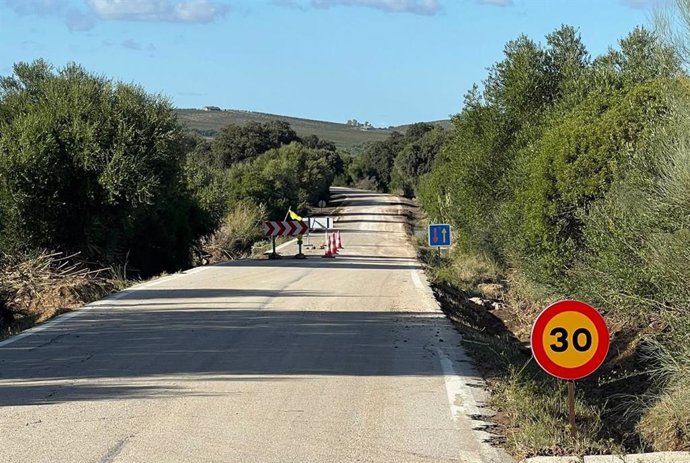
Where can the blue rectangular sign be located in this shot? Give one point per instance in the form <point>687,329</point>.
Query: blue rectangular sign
<point>439,235</point>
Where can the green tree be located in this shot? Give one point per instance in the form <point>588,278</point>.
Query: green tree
<point>237,143</point>
<point>416,159</point>
<point>91,165</point>
<point>289,176</point>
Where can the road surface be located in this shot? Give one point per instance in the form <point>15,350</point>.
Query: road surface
<point>342,360</point>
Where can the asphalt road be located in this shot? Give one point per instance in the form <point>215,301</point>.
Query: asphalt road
<point>321,360</point>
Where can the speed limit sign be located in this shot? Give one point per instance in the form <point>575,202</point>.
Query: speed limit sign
<point>570,340</point>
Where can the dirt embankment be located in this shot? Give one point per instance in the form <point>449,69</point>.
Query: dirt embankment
<point>532,409</point>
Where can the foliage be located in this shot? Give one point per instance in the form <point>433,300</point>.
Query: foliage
<point>415,160</point>
<point>289,176</point>
<point>397,162</point>
<point>237,143</point>
<point>572,173</point>
<point>88,164</point>
<point>238,231</point>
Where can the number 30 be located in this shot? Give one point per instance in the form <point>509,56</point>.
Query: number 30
<point>562,338</point>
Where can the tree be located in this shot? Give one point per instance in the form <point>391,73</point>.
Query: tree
<point>567,61</point>
<point>416,159</point>
<point>238,143</point>
<point>91,165</point>
<point>289,176</point>
<point>518,86</point>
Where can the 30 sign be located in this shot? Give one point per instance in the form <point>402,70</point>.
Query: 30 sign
<point>570,340</point>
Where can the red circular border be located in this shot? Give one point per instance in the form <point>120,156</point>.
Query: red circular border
<point>538,347</point>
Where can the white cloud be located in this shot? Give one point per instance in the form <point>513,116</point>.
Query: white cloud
<point>79,21</point>
<point>421,7</point>
<point>182,11</point>
<point>35,7</point>
<point>190,11</point>
<point>501,3</point>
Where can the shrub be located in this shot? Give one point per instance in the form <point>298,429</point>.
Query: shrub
<point>290,176</point>
<point>88,164</point>
<point>237,143</point>
<point>238,231</point>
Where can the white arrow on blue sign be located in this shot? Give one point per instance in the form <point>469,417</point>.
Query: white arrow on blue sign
<point>439,235</point>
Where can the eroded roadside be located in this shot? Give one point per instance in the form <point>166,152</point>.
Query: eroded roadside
<point>531,405</point>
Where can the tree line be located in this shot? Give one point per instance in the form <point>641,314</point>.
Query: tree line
<point>569,173</point>
<point>103,168</point>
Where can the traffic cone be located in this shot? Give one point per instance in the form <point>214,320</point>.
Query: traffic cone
<point>340,241</point>
<point>334,244</point>
<point>329,248</point>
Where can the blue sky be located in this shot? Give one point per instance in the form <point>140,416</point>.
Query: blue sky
<point>385,61</point>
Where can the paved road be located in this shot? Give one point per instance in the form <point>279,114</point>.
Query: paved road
<point>345,360</point>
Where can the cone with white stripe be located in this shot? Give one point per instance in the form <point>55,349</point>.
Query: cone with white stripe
<point>330,252</point>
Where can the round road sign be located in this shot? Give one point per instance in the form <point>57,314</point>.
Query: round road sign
<point>322,204</point>
<point>570,340</point>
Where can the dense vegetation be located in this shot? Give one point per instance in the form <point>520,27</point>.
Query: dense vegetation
<point>90,165</point>
<point>568,175</point>
<point>101,168</point>
<point>398,162</point>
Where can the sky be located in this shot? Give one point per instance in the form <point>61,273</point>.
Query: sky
<point>389,62</point>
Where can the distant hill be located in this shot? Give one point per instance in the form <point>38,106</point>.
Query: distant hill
<point>344,136</point>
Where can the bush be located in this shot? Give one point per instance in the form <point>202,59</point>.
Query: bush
<point>291,176</point>
<point>237,143</point>
<point>572,175</point>
<point>238,231</point>
<point>88,164</point>
<point>573,165</point>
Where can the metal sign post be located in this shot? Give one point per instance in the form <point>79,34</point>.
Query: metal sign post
<point>571,408</point>
<point>275,228</point>
<point>300,254</point>
<point>320,223</point>
<point>274,254</point>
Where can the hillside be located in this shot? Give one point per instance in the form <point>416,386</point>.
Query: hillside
<point>342,135</point>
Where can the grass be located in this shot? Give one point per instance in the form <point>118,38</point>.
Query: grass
<point>236,236</point>
<point>621,409</point>
<point>344,136</point>
<point>665,414</point>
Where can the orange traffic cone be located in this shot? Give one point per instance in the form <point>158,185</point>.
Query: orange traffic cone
<point>330,252</point>
<point>340,241</point>
<point>334,244</point>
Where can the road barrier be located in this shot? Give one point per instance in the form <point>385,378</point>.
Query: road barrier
<point>285,228</point>
<point>276,228</point>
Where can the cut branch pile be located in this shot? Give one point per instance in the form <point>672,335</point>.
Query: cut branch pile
<point>34,288</point>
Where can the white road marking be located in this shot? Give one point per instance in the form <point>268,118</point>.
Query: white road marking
<point>460,397</point>
<point>415,278</point>
<point>462,401</point>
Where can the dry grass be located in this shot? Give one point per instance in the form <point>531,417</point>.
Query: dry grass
<point>36,287</point>
<point>236,236</point>
<point>467,272</point>
<point>531,404</point>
